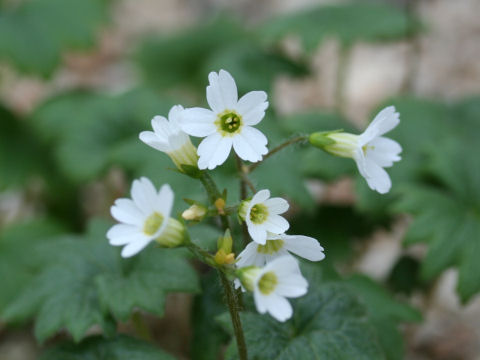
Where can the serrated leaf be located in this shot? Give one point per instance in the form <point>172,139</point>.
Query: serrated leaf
<point>22,255</point>
<point>99,348</point>
<point>368,21</point>
<point>88,281</point>
<point>34,33</point>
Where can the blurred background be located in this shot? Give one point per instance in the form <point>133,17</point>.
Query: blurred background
<point>79,79</point>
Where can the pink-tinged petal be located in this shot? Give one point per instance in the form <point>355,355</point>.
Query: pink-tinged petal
<point>386,120</point>
<point>213,151</point>
<point>277,205</point>
<point>378,179</point>
<point>252,107</point>
<point>121,234</point>
<point>244,150</point>
<point>255,139</point>
<point>135,247</point>
<point>198,122</point>
<point>222,91</point>
<point>144,195</point>
<point>276,224</point>
<point>258,233</point>
<point>259,197</point>
<point>304,246</point>
<point>384,151</point>
<point>125,211</point>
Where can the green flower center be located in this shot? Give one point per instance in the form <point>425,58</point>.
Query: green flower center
<point>267,283</point>
<point>366,147</point>
<point>258,213</point>
<point>153,223</point>
<point>229,122</point>
<point>271,247</point>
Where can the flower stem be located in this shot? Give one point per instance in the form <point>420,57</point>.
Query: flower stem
<point>235,316</point>
<point>213,195</point>
<point>277,149</point>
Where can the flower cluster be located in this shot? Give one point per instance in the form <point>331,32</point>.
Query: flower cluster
<point>267,266</point>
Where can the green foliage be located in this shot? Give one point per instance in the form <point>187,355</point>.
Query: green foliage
<point>22,255</point>
<point>34,34</point>
<point>99,348</point>
<point>222,43</point>
<point>87,283</point>
<point>335,320</point>
<point>349,22</point>
<point>21,155</point>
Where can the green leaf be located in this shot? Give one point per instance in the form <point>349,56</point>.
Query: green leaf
<point>349,22</point>
<point>22,255</point>
<point>34,34</point>
<point>99,348</point>
<point>88,282</point>
<point>21,155</point>
<point>221,43</point>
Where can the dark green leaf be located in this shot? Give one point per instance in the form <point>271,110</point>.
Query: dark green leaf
<point>99,348</point>
<point>88,281</point>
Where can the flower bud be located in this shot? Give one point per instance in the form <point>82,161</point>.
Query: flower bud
<point>196,212</point>
<point>336,143</point>
<point>220,205</point>
<point>173,235</point>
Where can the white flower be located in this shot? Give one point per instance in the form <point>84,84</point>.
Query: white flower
<point>371,151</point>
<point>262,215</point>
<point>142,219</point>
<point>228,123</point>
<point>272,284</point>
<point>168,137</point>
<point>280,245</point>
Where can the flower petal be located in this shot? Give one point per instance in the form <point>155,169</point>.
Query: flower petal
<point>125,211</point>
<point>175,114</point>
<point>252,107</point>
<point>276,224</point>
<point>144,195</point>
<point>304,246</point>
<point>292,286</point>
<point>161,127</point>
<point>384,151</point>
<point>213,151</point>
<point>278,307</point>
<point>135,247</point>
<point>152,140</point>
<point>259,197</point>
<point>385,121</point>
<point>255,139</point>
<point>378,179</point>
<point>244,150</point>
<point>164,204</point>
<point>222,91</point>
<point>198,122</point>
<point>250,256</point>
<point>121,234</point>
<point>258,233</point>
<point>277,205</point>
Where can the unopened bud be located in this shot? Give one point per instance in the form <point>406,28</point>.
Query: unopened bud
<point>196,212</point>
<point>222,258</point>
<point>220,205</point>
<point>336,143</point>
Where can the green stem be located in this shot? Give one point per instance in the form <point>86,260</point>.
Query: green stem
<point>277,149</point>
<point>213,195</point>
<point>235,316</point>
<point>141,327</point>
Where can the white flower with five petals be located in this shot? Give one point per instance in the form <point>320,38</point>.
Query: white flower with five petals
<point>280,245</point>
<point>262,215</point>
<point>142,218</point>
<point>229,123</point>
<point>168,137</point>
<point>371,151</point>
<point>272,284</point>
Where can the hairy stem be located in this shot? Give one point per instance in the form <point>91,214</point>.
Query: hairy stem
<point>277,149</point>
<point>235,315</point>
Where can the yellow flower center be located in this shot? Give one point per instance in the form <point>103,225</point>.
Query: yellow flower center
<point>153,223</point>
<point>258,214</point>
<point>271,247</point>
<point>267,283</point>
<point>367,147</point>
<point>228,122</point>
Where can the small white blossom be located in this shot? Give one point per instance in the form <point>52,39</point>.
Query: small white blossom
<point>280,245</point>
<point>371,151</point>
<point>272,284</point>
<point>229,123</point>
<point>262,216</point>
<point>143,218</point>
<point>168,137</point>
